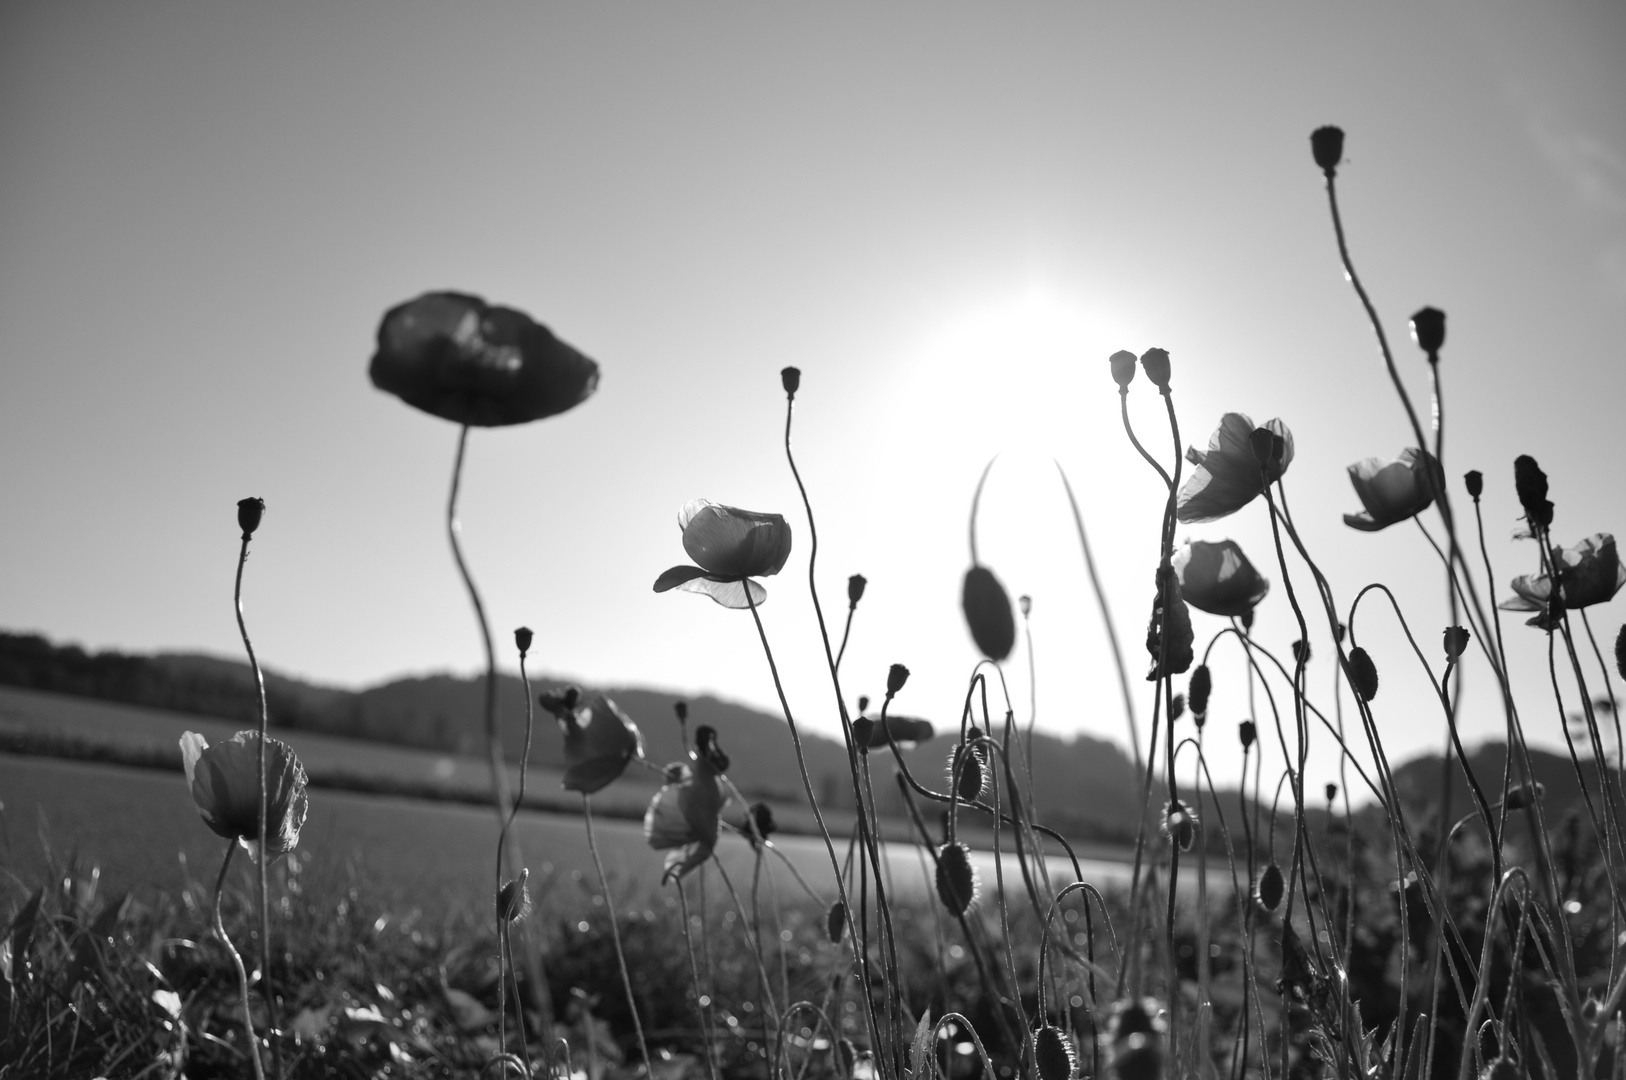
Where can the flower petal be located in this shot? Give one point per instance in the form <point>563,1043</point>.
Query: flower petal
<point>732,543</point>
<point>730,594</point>
<point>1228,476</point>
<point>1218,578</point>
<point>671,579</point>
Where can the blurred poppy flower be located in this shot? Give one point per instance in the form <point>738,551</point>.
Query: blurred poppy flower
<point>730,546</point>
<point>1228,476</point>
<point>457,357</point>
<point>599,739</point>
<point>906,730</point>
<point>1588,573</point>
<point>682,819</point>
<point>225,783</point>
<point>1218,578</point>
<point>987,610</point>
<point>1393,491</point>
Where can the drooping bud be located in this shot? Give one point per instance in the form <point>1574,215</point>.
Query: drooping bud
<point>1247,733</point>
<point>1531,484</point>
<point>1363,674</point>
<point>835,922</point>
<point>1201,685</point>
<point>1428,330</point>
<point>1327,146</point>
<point>896,676</point>
<point>522,640</point>
<point>987,608</point>
<point>1177,707</point>
<point>1156,363</point>
<point>855,589</point>
<point>1053,1054</point>
<point>956,878</point>
<point>1456,640</point>
<point>1270,889</point>
<point>249,513</point>
<point>513,900</point>
<point>1123,369</point>
<point>1475,481</point>
<point>971,777</point>
<point>791,379</point>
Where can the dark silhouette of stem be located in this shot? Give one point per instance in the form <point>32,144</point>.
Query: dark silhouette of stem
<point>242,976</point>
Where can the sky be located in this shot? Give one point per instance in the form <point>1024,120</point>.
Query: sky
<point>946,215</point>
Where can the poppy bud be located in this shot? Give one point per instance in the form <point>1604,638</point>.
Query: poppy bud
<point>1123,369</point>
<point>987,610</point>
<point>1053,1055</point>
<point>1428,330</point>
<point>1332,792</point>
<point>1180,825</point>
<point>863,730</point>
<point>1247,733</point>
<point>682,710</point>
<point>791,379</point>
<point>1456,639</point>
<point>863,703</point>
<point>971,776</point>
<point>1202,684</point>
<point>1524,795</point>
<point>1363,674</point>
<point>249,512</point>
<point>835,922</point>
<point>896,676</point>
<point>855,589</point>
<point>1475,481</point>
<point>1025,603</point>
<point>1327,146</point>
<point>1531,484</point>
<point>1301,651</point>
<point>1156,363</point>
<point>522,640</point>
<point>1620,652</point>
<point>1177,707</point>
<point>513,901</point>
<point>1339,631</point>
<point>1271,887</point>
<point>762,820</point>
<point>956,878</point>
<point>1247,620</point>
<point>1262,441</point>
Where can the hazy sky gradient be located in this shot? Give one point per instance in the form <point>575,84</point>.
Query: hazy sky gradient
<point>947,215</point>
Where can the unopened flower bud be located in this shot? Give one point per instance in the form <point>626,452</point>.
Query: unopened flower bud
<point>863,704</point>
<point>1332,792</point>
<point>1025,604</point>
<point>1123,368</point>
<point>1531,484</point>
<point>863,728</point>
<point>1247,733</point>
<point>968,769</point>
<point>987,608</point>
<point>1271,887</point>
<point>1301,651</point>
<point>1456,640</point>
<point>1363,674</point>
<point>956,878</point>
<point>1156,363</point>
<point>1177,707</point>
<point>681,708</point>
<point>513,901</point>
<point>762,820</point>
<point>1201,685</point>
<point>896,676</point>
<point>522,640</point>
<point>249,513</point>
<point>1053,1054</point>
<point>835,922</point>
<point>1428,330</point>
<point>1339,632</point>
<point>855,589</point>
<point>791,378</point>
<point>1475,481</point>
<point>1327,146</point>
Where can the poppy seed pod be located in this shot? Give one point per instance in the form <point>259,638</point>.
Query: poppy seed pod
<point>1247,732</point>
<point>1156,364</point>
<point>1201,685</point>
<point>1247,619</point>
<point>1363,674</point>
<point>1456,640</point>
<point>1339,632</point>
<point>522,640</point>
<point>249,513</point>
<point>1270,888</point>
<point>956,878</point>
<point>1475,482</point>
<point>835,922</point>
<point>1428,330</point>
<point>987,608</point>
<point>1123,369</point>
<point>1332,792</point>
<point>863,703</point>
<point>456,357</point>
<point>225,784</point>
<point>1327,147</point>
<point>1053,1054</point>
<point>855,589</point>
<point>896,676</point>
<point>791,379</point>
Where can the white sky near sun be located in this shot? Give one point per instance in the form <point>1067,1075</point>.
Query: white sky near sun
<point>946,215</point>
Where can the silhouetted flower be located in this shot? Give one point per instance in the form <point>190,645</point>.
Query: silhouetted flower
<point>1168,634</point>
<point>1393,491</point>
<point>1228,476</point>
<point>1531,485</point>
<point>225,783</point>
<point>1589,573</point>
<point>682,819</point>
<point>1270,888</point>
<point>522,640</point>
<point>457,357</point>
<point>1218,578</point>
<point>731,546</point>
<point>514,899</point>
<point>599,740</point>
<point>987,608</point>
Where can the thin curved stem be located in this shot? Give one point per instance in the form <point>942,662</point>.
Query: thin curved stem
<point>237,960</point>
<point>615,932</point>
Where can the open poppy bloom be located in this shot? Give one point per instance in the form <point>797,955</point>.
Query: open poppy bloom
<point>1229,476</point>
<point>599,739</point>
<point>1393,491</point>
<point>457,357</point>
<point>730,546</point>
<point>1218,578</point>
<point>225,783</point>
<point>682,819</point>
<point>1588,573</point>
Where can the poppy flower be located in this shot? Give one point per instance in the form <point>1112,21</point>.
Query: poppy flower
<point>682,819</point>
<point>1588,573</point>
<point>730,546</point>
<point>1229,476</point>
<point>1218,578</point>
<point>457,357</point>
<point>1393,491</point>
<point>225,783</point>
<point>599,739</point>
